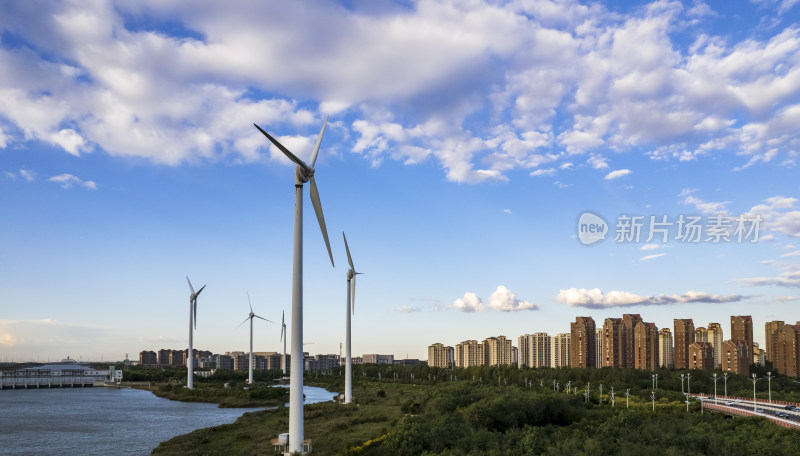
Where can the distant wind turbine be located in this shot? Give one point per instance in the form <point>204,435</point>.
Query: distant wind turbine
<point>351,305</point>
<point>283,337</point>
<point>250,317</point>
<point>192,327</point>
<point>303,173</point>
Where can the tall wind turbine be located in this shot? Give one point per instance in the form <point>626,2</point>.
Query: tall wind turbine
<point>192,327</point>
<point>303,173</point>
<point>250,317</point>
<point>283,337</point>
<point>351,305</point>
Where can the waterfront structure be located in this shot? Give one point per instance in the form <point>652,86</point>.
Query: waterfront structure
<point>736,357</point>
<point>534,350</point>
<point>684,336</point>
<point>716,338</point>
<point>148,358</point>
<point>496,351</point>
<point>66,374</point>
<point>469,353</point>
<point>582,342</point>
<point>645,346</point>
<point>665,347</point>
<point>440,355</point>
<point>771,338</point>
<point>742,329</point>
<point>560,350</point>
<point>701,356</point>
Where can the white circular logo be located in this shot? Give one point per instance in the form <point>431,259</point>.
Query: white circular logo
<point>591,228</point>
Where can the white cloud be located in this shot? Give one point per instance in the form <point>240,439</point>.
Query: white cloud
<point>595,299</point>
<point>777,215</point>
<point>508,211</point>
<point>617,174</point>
<point>408,309</point>
<point>789,278</point>
<point>469,303</point>
<point>68,180</point>
<point>786,299</point>
<point>706,207</point>
<point>649,247</point>
<point>544,172</point>
<point>504,300</point>
<point>652,257</point>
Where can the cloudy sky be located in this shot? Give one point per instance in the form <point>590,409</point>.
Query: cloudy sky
<point>465,140</point>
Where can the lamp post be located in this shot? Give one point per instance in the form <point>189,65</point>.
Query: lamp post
<point>725,378</point>
<point>769,386</point>
<point>655,380</point>
<point>627,394</point>
<point>653,398</point>
<point>754,380</point>
<point>688,385</point>
<point>715,387</point>
<point>613,401</point>
<point>682,377</point>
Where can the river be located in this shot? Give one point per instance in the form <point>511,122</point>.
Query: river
<point>103,421</point>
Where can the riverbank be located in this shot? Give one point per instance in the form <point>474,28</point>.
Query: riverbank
<point>333,428</point>
<point>233,396</point>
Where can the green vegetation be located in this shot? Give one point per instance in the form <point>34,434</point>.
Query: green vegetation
<point>231,396</point>
<point>508,411</point>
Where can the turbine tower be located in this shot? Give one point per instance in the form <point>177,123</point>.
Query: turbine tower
<point>351,304</point>
<point>192,326</point>
<point>303,173</point>
<point>250,317</point>
<point>283,337</point>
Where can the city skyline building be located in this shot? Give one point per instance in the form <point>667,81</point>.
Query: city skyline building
<point>665,348</point>
<point>682,338</point>
<point>582,342</point>
<point>716,337</point>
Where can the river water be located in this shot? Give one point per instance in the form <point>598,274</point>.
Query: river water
<point>103,421</point>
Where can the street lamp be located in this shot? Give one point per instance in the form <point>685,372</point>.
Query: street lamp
<point>655,380</point>
<point>725,377</point>
<point>613,401</point>
<point>627,393</point>
<point>769,385</point>
<point>688,386</point>
<point>653,398</point>
<point>754,380</point>
<point>682,377</point>
<point>715,387</point>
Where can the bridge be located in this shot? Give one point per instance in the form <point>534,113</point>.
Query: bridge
<point>782,413</point>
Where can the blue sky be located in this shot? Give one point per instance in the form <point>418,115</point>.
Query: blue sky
<point>465,139</point>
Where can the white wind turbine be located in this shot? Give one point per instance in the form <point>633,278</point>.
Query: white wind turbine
<point>283,337</point>
<point>351,305</point>
<point>303,173</point>
<point>192,326</point>
<point>250,317</point>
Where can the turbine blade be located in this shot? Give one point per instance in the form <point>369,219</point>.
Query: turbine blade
<point>283,321</point>
<point>198,291</point>
<point>319,141</point>
<point>320,217</point>
<point>248,300</point>
<point>245,321</point>
<point>283,331</point>
<point>257,316</point>
<point>190,285</point>
<point>286,152</point>
<point>349,258</point>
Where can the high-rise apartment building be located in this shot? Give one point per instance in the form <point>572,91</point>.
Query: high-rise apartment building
<point>771,338</point>
<point>374,358</point>
<point>599,353</point>
<point>716,338</point>
<point>701,334</point>
<point>736,357</point>
<point>645,346</point>
<point>742,329</point>
<point>701,356</point>
<point>469,353</point>
<point>684,336</point>
<point>665,347</point>
<point>497,351</point>
<point>535,350</point>
<point>440,355</point>
<point>148,358</point>
<point>560,350</point>
<point>613,343</point>
<point>582,342</point>
<point>786,359</point>
<point>759,355</point>
<point>627,340</point>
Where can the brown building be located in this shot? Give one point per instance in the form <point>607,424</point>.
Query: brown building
<point>163,356</point>
<point>645,346</point>
<point>582,342</point>
<point>785,359</point>
<point>148,358</point>
<point>742,329</point>
<point>701,356</point>
<point>735,357</point>
<point>613,343</point>
<point>683,336</point>
<point>629,322</point>
<point>771,338</point>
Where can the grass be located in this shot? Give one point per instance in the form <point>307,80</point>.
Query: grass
<point>333,428</point>
<point>236,396</point>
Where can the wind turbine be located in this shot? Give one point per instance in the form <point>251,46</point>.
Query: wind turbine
<point>250,317</point>
<point>283,337</point>
<point>303,173</point>
<point>351,304</point>
<point>192,327</point>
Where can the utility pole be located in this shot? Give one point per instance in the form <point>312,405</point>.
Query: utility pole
<point>754,380</point>
<point>715,387</point>
<point>769,385</point>
<point>682,377</point>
